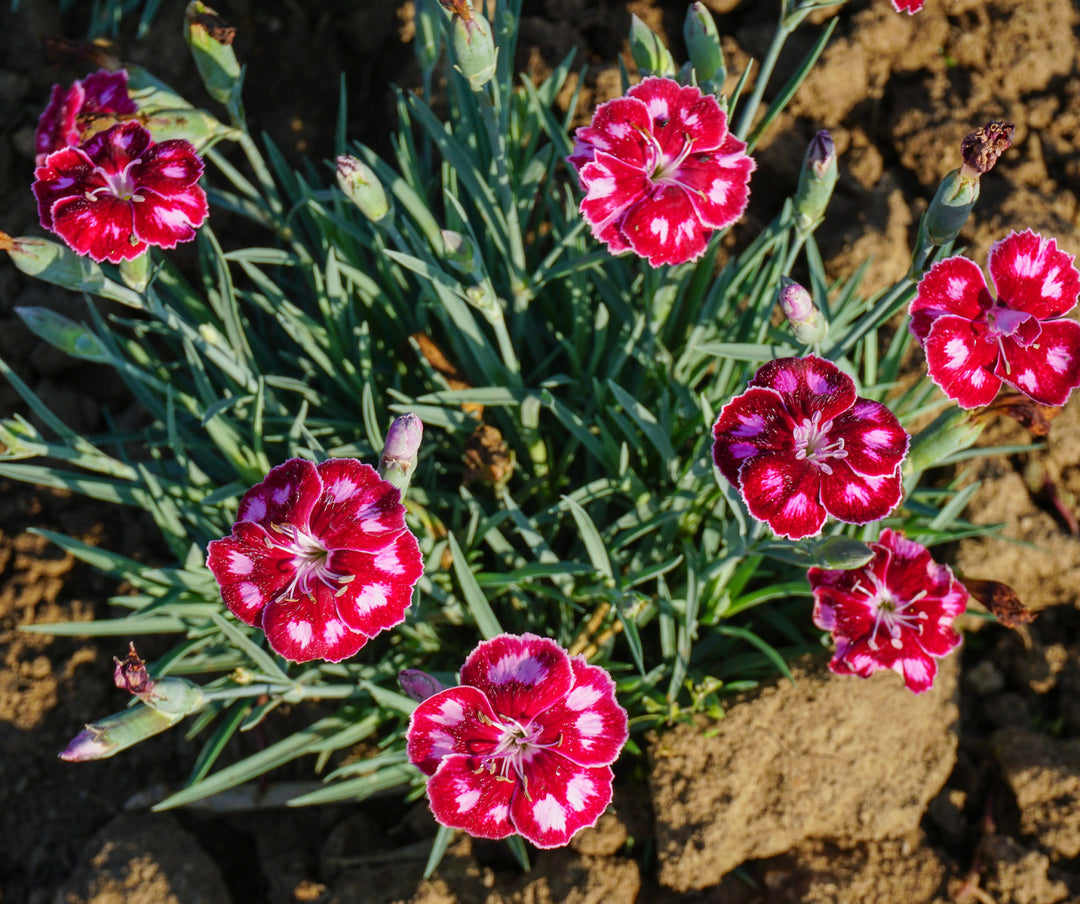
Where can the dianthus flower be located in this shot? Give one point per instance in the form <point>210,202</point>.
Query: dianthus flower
<point>120,192</point>
<point>660,171</point>
<point>800,444</point>
<point>908,6</point>
<point>974,343</point>
<point>525,744</point>
<point>896,612</point>
<point>319,558</point>
<point>72,114</point>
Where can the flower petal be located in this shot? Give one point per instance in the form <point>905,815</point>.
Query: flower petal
<point>784,494</point>
<point>1031,274</point>
<point>57,126</point>
<point>102,229</point>
<point>306,628</point>
<point>107,92</point>
<point>287,494</point>
<point>562,798</point>
<point>808,386</point>
<point>952,286</point>
<point>116,148</point>
<point>859,499</point>
<point>664,227</point>
<point>590,726</point>
<point>62,174</point>
<point>1047,371</point>
<point>522,675</point>
<point>618,128</point>
<point>464,796</point>
<point>456,720</point>
<point>751,423</point>
<point>719,182</point>
<point>679,114</point>
<point>167,220</point>
<point>960,360</point>
<point>250,571</point>
<point>358,509</point>
<point>168,167</point>
<point>381,590</point>
<point>874,441</point>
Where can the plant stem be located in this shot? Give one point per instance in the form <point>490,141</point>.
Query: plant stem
<point>750,110</point>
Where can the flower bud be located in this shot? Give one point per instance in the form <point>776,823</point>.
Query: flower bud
<point>703,44</point>
<point>70,337</point>
<point>400,451</point>
<point>817,179</point>
<point>804,319</point>
<point>952,431</point>
<point>359,182</point>
<point>474,47</point>
<point>418,685</point>
<point>59,265</point>
<point>136,272</point>
<point>650,55</point>
<point>461,250</point>
<point>210,38</point>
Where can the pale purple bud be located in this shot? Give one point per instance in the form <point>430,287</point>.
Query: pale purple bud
<point>418,685</point>
<point>400,451</point>
<point>362,187</point>
<point>795,301</point>
<point>821,153</point>
<point>87,745</point>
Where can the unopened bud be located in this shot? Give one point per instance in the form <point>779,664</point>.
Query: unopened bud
<point>817,179</point>
<point>649,53</point>
<point>474,47</point>
<point>461,250</point>
<point>210,38</point>
<point>952,431</point>
<point>950,208</point>
<point>805,320</point>
<point>418,685</point>
<point>363,188</point>
<point>53,262</point>
<point>136,272</point>
<point>401,450</point>
<point>980,149</point>
<point>703,44</point>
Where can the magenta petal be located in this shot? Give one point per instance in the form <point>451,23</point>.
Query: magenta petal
<point>306,628</point>
<point>107,92</point>
<point>616,129</point>
<point>358,509</point>
<point>63,174</point>
<point>462,796</point>
<point>611,187</point>
<point>1031,274</point>
<point>952,286</point>
<point>166,221</point>
<point>381,591</point>
<point>522,675</point>
<point>456,720</point>
<point>168,167</point>
<point>719,182</point>
<point>590,726</point>
<point>873,438</point>
<point>57,126</point>
<point>784,494</point>
<point>249,572</point>
<point>102,229</point>
<point>857,499</point>
<point>748,425</point>
<point>286,495</point>
<point>809,386</point>
<point>679,114</point>
<point>114,149</point>
<point>562,798</point>
<point>960,360</point>
<point>908,6</point>
<point>664,227</point>
<point>1047,371</point>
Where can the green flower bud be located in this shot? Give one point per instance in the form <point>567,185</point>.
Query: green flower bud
<point>210,39</point>
<point>650,55</point>
<point>817,179</point>
<point>54,263</point>
<point>703,44</point>
<point>950,432</point>
<point>136,272</point>
<point>360,184</point>
<point>950,208</point>
<point>72,338</point>
<point>474,47</point>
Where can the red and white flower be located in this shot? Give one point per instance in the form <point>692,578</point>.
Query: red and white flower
<point>661,171</point>
<point>120,192</point>
<point>319,558</point>
<point>73,113</point>
<point>800,444</point>
<point>908,6</point>
<point>975,343</point>
<point>525,744</point>
<point>896,612</point>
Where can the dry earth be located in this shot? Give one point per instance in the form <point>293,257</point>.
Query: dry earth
<point>829,791</point>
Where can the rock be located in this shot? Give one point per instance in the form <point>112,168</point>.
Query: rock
<point>144,858</point>
<point>1014,873</point>
<point>832,757</point>
<point>1044,774</point>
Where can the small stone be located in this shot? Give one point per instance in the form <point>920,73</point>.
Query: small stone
<point>984,678</point>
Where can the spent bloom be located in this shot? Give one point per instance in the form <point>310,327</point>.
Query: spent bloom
<point>896,612</point>
<point>319,558</point>
<point>524,745</point>
<point>76,113</point>
<point>974,342</point>
<point>120,192</point>
<point>799,444</point>
<point>661,171</point>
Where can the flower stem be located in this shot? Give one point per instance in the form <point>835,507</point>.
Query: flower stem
<point>746,119</point>
<point>497,139</point>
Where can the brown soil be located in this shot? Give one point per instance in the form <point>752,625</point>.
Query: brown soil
<point>857,816</point>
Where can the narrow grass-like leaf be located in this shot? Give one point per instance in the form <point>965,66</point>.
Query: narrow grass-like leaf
<point>474,597</point>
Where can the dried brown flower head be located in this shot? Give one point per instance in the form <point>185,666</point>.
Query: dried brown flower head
<point>981,149</point>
